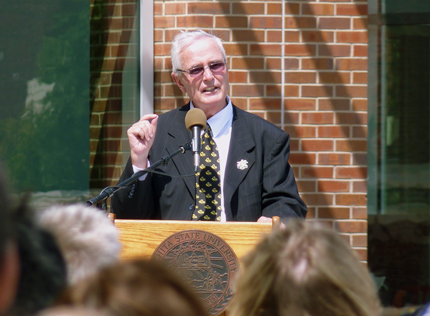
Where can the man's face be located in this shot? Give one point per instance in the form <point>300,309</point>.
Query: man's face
<point>208,90</point>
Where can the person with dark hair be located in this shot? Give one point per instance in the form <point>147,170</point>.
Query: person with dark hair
<point>243,173</point>
<point>136,287</point>
<point>9,258</point>
<point>42,268</point>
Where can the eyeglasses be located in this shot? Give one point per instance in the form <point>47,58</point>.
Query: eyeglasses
<point>197,71</point>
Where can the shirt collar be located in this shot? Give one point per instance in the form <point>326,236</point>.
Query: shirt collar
<point>219,121</point>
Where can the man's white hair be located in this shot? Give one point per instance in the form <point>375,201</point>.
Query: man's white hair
<point>86,236</point>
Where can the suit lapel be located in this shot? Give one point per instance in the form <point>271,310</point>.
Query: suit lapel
<point>178,135</point>
<point>240,158</point>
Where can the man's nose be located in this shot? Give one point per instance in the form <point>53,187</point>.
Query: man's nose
<point>207,73</point>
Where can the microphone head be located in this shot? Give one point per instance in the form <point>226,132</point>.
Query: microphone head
<point>195,117</point>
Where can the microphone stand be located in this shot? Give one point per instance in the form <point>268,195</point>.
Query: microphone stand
<point>109,191</point>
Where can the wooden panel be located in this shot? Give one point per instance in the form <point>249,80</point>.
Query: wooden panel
<point>140,238</point>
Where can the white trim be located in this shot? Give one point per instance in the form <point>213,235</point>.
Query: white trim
<point>146,61</point>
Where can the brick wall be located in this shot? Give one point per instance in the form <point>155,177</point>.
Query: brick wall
<point>325,90</point>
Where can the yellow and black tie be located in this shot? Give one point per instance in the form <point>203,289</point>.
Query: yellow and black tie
<point>208,184</point>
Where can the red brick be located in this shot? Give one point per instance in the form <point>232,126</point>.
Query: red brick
<point>333,104</point>
<point>333,186</point>
<point>359,105</point>
<point>311,213</point>
<point>351,145</point>
<point>290,8</point>
<point>275,90</point>
<point>316,172</point>
<point>300,50</point>
<point>334,50</point>
<point>317,199</point>
<point>317,36</point>
<point>351,37</point>
<point>317,118</point>
<point>164,21</point>
<point>306,186</point>
<point>237,76</point>
<point>264,104</point>
<point>300,22</point>
<point>302,158</point>
<point>359,23</point>
<point>334,23</point>
<point>334,159</point>
<point>232,49</point>
<point>351,9</point>
<point>300,77</point>
<point>289,36</point>
<point>208,8</point>
<point>301,131</point>
<point>359,77</point>
<point>317,9</point>
<point>265,77</point>
<point>299,104</point>
<point>351,173</point>
<point>317,145</point>
<point>247,90</point>
<point>359,213</point>
<point>333,212</point>
<point>359,187</point>
<point>359,131</point>
<point>334,77</point>
<point>333,131</point>
<point>317,91</point>
<point>351,91</point>
<point>199,21</point>
<point>359,159</point>
<point>175,8</point>
<point>351,199</point>
<point>360,51</point>
<point>351,64</point>
<point>359,241</point>
<point>351,118</point>
<point>265,49</point>
<point>269,22</point>
<point>229,21</point>
<point>247,63</point>
<point>351,226</point>
<point>248,8</point>
<point>248,36</point>
<point>317,63</point>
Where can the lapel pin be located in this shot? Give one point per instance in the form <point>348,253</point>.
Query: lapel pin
<point>242,165</point>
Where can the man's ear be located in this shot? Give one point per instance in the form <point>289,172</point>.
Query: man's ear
<point>176,78</point>
<point>9,276</point>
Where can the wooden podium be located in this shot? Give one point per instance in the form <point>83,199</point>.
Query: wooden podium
<point>230,241</point>
<point>141,237</point>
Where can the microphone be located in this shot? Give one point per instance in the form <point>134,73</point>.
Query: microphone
<point>195,121</point>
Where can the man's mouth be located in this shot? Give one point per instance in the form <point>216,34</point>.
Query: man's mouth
<point>210,89</point>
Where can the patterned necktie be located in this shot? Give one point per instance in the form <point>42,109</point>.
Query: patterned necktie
<point>208,184</point>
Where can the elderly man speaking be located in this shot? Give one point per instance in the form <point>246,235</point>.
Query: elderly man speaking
<point>242,173</point>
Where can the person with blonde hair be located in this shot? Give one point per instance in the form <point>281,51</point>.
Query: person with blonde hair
<point>86,236</point>
<point>306,269</point>
<point>138,287</point>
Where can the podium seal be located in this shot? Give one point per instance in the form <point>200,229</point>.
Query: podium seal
<point>205,261</point>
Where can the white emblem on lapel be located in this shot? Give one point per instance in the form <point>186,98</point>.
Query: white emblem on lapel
<point>242,165</point>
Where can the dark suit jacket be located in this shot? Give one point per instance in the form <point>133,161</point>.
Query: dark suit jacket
<point>267,187</point>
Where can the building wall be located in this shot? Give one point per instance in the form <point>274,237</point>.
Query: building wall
<point>325,90</point>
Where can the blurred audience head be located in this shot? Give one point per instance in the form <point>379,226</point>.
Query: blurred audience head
<point>42,267</point>
<point>306,269</point>
<point>87,238</point>
<point>135,288</point>
<point>9,258</point>
<point>71,311</point>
